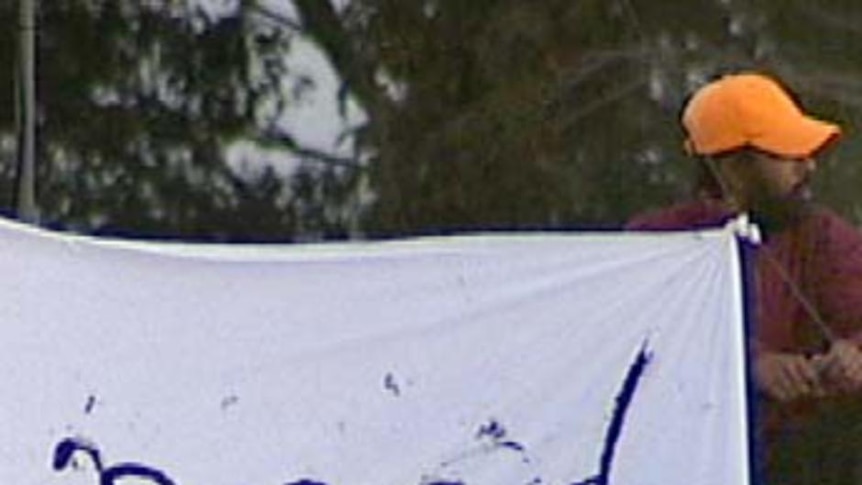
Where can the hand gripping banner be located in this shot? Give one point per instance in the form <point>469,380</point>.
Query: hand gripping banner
<point>559,359</point>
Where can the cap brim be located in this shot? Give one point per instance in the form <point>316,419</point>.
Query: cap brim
<point>799,138</point>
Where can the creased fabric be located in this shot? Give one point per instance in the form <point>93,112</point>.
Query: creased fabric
<point>487,359</point>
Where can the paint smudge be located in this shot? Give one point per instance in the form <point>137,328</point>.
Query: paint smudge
<point>493,432</point>
<point>391,385</point>
<point>229,401</point>
<point>90,405</point>
<point>615,429</point>
<point>497,433</point>
<point>112,475</point>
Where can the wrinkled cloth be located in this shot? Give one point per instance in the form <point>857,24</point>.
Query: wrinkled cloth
<point>822,256</point>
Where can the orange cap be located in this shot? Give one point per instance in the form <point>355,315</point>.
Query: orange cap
<point>752,110</point>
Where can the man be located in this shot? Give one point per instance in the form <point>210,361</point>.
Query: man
<point>756,149</point>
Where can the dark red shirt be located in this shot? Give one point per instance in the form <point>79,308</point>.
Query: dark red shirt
<point>822,255</point>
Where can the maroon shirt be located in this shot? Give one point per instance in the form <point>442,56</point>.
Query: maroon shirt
<point>823,256</point>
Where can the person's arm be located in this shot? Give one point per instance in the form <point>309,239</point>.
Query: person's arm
<point>837,288</point>
<point>786,376</point>
<point>841,367</point>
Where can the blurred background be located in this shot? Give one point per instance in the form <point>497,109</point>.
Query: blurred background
<point>310,120</point>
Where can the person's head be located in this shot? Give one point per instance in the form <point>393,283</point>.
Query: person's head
<point>756,142</point>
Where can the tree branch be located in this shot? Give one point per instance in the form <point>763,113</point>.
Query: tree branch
<point>321,23</point>
<point>279,139</point>
<point>276,17</point>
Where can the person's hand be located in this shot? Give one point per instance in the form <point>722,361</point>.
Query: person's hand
<point>841,367</point>
<point>786,377</point>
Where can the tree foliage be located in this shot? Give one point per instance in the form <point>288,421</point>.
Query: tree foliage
<point>565,114</point>
<point>487,114</point>
<point>137,103</point>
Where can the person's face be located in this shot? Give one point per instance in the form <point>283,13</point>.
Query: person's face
<point>782,179</point>
<point>776,189</point>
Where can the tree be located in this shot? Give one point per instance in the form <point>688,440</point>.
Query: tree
<point>488,114</point>
<point>138,103</point>
<point>557,113</point>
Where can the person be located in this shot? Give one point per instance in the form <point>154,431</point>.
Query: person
<point>756,151</point>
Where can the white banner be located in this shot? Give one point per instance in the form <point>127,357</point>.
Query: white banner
<point>484,360</point>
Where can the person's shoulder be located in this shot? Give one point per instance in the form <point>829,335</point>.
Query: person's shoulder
<point>696,214</point>
<point>834,226</point>
<point>837,243</point>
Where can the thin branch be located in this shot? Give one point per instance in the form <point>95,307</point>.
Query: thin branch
<point>279,139</point>
<point>611,98</point>
<point>840,21</point>
<point>276,17</point>
<point>834,92</point>
<point>314,155</point>
<point>321,23</point>
<point>596,61</point>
